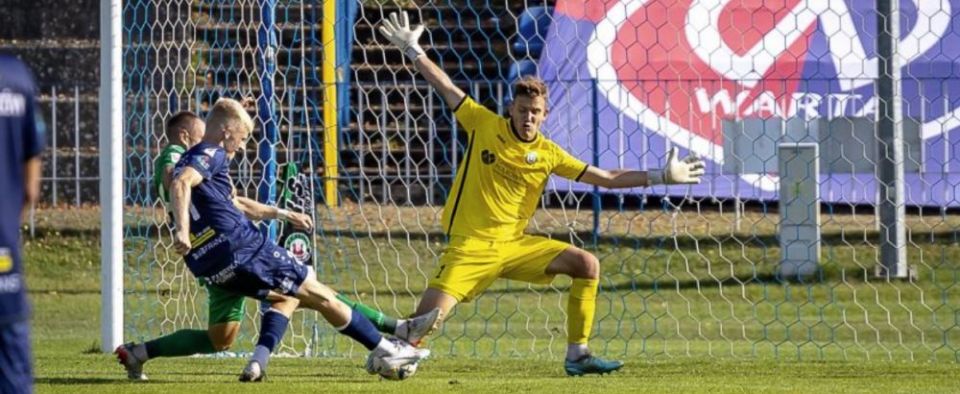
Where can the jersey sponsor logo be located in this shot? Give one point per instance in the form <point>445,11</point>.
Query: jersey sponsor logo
<point>487,157</point>
<point>729,72</point>
<point>508,172</point>
<point>298,245</point>
<point>202,236</point>
<point>12,104</point>
<point>210,151</point>
<point>199,252</point>
<point>222,276</point>
<point>6,260</point>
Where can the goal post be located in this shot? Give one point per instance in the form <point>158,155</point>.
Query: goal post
<point>111,175</point>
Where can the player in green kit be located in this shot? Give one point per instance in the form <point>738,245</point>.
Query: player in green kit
<point>226,309</point>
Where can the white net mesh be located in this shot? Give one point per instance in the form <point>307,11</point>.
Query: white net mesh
<point>686,270</point>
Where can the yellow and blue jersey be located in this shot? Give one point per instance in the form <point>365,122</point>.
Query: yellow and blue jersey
<point>501,177</point>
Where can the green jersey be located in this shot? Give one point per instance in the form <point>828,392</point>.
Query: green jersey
<point>169,157</point>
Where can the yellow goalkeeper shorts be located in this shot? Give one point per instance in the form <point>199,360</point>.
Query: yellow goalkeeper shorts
<point>469,265</point>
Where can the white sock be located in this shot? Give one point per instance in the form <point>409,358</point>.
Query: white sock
<point>387,346</point>
<point>402,329</point>
<point>575,351</point>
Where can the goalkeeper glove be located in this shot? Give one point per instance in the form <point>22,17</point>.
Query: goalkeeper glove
<point>686,171</point>
<point>398,32</point>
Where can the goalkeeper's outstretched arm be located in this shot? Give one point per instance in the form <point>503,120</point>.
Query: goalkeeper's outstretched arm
<point>676,171</point>
<point>397,30</point>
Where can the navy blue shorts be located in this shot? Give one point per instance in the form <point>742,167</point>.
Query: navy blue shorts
<point>270,269</point>
<point>16,373</point>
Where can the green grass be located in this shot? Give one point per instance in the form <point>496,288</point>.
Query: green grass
<point>702,315</point>
<point>64,328</point>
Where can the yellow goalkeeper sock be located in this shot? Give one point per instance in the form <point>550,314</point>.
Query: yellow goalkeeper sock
<point>581,306</point>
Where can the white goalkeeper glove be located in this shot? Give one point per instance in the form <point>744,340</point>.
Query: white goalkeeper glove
<point>398,32</point>
<point>686,171</point>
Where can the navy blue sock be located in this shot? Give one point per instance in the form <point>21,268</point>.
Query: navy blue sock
<point>273,325</point>
<point>362,330</point>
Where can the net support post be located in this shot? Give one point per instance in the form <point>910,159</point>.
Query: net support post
<point>595,144</point>
<point>111,175</point>
<point>799,230</point>
<point>330,126</point>
<point>267,47</point>
<point>893,237</point>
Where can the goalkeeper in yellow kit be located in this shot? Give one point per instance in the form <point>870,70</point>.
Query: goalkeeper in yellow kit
<point>496,191</point>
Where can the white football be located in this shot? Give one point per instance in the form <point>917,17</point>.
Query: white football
<point>401,373</point>
<point>377,365</point>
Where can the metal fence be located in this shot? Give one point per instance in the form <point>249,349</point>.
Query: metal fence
<point>70,167</point>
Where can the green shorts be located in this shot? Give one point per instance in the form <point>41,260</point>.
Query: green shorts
<point>224,306</point>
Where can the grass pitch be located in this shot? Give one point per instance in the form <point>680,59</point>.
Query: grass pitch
<point>696,316</point>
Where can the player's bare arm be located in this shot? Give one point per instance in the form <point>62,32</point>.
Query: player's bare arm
<point>180,200</point>
<point>398,31</point>
<point>168,176</point>
<point>31,180</point>
<point>258,211</point>
<point>676,171</point>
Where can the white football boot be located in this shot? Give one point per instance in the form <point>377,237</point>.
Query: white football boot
<point>413,330</point>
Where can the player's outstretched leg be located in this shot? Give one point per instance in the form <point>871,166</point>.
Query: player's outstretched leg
<point>179,343</point>
<point>225,311</point>
<point>273,325</point>
<point>349,322</point>
<point>410,330</point>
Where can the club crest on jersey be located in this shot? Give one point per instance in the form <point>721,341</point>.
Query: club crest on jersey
<point>531,157</point>
<point>202,161</point>
<point>6,260</point>
<point>298,245</point>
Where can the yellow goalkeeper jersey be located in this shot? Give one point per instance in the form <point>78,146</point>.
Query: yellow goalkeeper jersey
<point>501,177</point>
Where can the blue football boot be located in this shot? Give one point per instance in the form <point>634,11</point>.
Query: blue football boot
<point>589,364</point>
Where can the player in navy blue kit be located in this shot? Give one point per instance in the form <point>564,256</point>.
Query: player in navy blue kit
<point>21,141</point>
<point>223,248</point>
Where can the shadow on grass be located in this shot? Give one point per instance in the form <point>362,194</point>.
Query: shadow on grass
<point>75,381</point>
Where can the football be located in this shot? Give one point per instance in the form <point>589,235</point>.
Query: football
<point>377,365</point>
<point>401,373</point>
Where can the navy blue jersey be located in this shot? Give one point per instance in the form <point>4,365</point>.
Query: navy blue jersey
<point>21,139</point>
<point>219,232</point>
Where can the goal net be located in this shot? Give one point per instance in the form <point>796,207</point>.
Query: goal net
<point>349,133</point>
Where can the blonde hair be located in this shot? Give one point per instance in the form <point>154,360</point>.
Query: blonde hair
<point>229,114</point>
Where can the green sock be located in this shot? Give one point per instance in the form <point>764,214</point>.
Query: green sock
<point>180,343</point>
<point>384,323</point>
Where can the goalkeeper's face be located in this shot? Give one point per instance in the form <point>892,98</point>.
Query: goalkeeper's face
<point>528,113</point>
